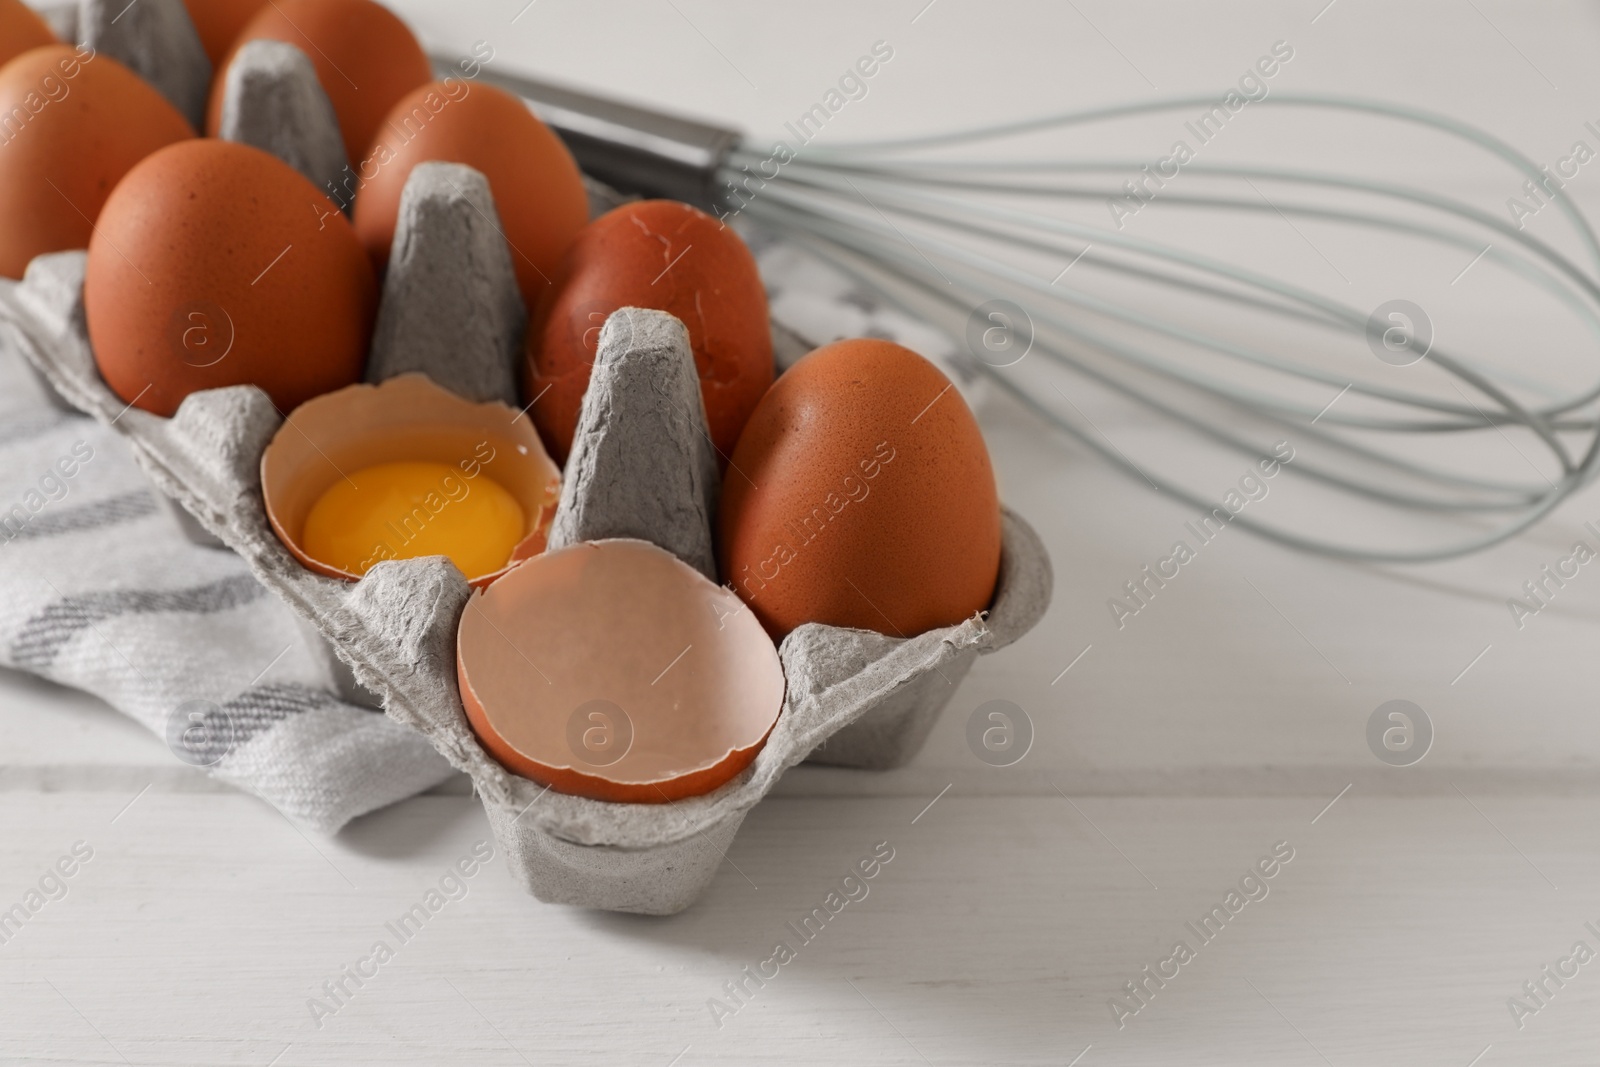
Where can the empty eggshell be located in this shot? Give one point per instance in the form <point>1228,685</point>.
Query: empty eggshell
<point>614,670</point>
<point>405,418</point>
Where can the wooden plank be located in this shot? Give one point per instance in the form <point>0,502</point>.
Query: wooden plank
<point>996,934</point>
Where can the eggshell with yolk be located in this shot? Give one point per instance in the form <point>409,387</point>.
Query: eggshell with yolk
<point>406,417</point>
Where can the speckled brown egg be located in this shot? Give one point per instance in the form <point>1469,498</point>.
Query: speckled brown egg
<point>668,256</point>
<point>21,29</point>
<point>538,190</point>
<point>216,264</point>
<point>72,123</point>
<point>365,58</point>
<point>861,495</point>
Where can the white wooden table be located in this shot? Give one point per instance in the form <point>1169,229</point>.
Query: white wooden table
<point>1019,901</point>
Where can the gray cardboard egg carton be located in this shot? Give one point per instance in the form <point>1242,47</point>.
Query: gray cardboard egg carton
<point>641,466</point>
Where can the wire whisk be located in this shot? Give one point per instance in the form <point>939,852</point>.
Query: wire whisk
<point>892,215</point>
<point>973,231</point>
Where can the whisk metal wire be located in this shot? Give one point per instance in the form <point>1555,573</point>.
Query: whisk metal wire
<point>841,204</point>
<point>850,205</point>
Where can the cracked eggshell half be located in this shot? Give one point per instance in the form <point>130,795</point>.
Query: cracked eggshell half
<point>613,670</point>
<point>406,418</point>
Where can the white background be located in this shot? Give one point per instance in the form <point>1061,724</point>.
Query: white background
<point>1189,742</point>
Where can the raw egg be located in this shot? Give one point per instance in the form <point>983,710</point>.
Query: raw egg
<point>72,123</point>
<point>21,29</point>
<point>407,469</point>
<point>538,190</point>
<point>668,256</point>
<point>219,23</point>
<point>365,57</point>
<point>217,264</point>
<point>614,670</point>
<point>864,497</point>
<point>476,526</point>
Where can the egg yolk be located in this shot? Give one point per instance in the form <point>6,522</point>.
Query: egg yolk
<point>414,508</point>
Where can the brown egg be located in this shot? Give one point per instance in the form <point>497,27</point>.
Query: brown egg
<point>861,495</point>
<point>72,123</point>
<point>219,23</point>
<point>20,30</point>
<point>537,188</point>
<point>668,256</point>
<point>365,58</point>
<point>216,264</point>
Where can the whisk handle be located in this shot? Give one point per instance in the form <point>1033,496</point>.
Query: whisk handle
<point>632,149</point>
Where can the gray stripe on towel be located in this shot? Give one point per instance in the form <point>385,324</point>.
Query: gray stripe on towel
<point>14,427</point>
<point>108,512</point>
<point>43,637</point>
<point>258,708</point>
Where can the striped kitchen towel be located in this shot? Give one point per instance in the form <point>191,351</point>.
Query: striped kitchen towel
<point>101,591</point>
